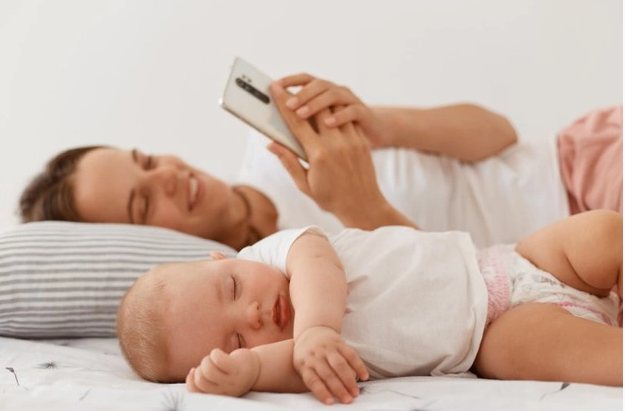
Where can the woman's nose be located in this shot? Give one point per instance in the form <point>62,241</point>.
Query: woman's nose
<point>165,177</point>
<point>253,315</point>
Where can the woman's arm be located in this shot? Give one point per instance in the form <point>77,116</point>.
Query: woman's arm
<point>465,131</point>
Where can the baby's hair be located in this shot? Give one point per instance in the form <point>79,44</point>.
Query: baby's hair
<point>140,328</point>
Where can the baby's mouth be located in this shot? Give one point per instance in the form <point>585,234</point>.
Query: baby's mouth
<point>281,312</point>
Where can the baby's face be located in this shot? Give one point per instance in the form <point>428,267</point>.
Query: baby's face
<point>227,304</point>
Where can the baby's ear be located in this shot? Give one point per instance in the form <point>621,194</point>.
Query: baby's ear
<point>216,255</point>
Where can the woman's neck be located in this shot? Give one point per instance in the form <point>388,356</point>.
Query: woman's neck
<point>261,213</point>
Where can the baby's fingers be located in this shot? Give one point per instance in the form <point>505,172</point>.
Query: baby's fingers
<point>325,385</point>
<point>208,376</point>
<point>317,387</point>
<point>355,362</point>
<point>345,375</point>
<point>220,360</point>
<point>189,381</point>
<point>196,382</point>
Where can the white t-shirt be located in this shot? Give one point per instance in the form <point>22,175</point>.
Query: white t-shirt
<point>416,304</point>
<point>498,200</point>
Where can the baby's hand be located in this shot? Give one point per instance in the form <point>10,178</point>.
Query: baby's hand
<point>231,374</point>
<point>327,365</point>
<point>317,94</point>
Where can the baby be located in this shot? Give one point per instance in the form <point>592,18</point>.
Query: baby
<point>302,311</point>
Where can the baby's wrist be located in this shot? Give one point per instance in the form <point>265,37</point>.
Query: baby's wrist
<point>256,368</point>
<point>301,334</point>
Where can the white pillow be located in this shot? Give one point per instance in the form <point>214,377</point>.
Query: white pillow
<point>61,279</point>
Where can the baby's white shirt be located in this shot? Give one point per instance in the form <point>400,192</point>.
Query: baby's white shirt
<point>416,304</point>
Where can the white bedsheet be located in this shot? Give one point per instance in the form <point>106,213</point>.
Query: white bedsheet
<point>90,374</point>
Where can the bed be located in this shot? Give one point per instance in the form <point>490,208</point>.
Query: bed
<point>60,284</point>
<point>90,374</point>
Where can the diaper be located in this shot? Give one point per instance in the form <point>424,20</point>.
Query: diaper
<point>512,280</point>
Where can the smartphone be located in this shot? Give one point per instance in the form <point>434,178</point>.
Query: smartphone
<point>247,97</point>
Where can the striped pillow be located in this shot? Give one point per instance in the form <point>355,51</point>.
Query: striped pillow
<point>62,279</point>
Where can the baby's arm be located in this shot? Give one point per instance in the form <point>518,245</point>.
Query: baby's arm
<point>319,292</point>
<point>318,288</point>
<point>263,368</point>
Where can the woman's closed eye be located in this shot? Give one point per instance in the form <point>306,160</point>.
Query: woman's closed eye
<point>149,162</point>
<point>145,207</point>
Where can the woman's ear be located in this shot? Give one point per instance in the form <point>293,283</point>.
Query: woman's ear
<point>216,255</point>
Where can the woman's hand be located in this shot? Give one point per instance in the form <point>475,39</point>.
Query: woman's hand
<point>231,374</point>
<point>317,95</point>
<point>327,365</point>
<point>341,178</point>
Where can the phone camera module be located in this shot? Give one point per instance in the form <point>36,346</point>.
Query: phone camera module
<point>252,90</point>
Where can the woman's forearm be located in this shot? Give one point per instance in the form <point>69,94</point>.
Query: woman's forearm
<point>372,216</point>
<point>464,131</point>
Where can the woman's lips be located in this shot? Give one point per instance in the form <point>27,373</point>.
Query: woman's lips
<point>196,192</point>
<point>281,312</point>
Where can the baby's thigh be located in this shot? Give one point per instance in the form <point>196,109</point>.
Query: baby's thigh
<point>584,251</point>
<point>545,342</point>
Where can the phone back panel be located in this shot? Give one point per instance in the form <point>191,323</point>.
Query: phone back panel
<point>247,97</point>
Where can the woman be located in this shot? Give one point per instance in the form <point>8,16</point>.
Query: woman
<point>464,158</point>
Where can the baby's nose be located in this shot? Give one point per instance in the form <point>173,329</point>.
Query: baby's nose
<point>253,315</point>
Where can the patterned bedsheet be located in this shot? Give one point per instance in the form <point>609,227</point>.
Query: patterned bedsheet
<point>90,374</point>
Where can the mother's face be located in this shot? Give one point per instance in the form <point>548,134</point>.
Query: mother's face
<point>118,186</point>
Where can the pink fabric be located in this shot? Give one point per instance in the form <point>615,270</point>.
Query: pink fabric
<point>591,161</point>
<point>492,263</point>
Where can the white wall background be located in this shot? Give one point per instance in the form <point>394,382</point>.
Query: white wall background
<point>149,73</point>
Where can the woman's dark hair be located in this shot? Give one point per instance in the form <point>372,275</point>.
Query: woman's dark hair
<point>50,195</point>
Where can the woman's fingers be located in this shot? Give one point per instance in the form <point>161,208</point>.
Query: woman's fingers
<point>331,97</point>
<point>345,115</point>
<point>301,128</point>
<point>292,165</point>
<point>320,119</point>
<point>315,94</point>
<point>294,80</point>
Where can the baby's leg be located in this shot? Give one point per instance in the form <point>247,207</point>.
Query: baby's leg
<point>544,342</point>
<point>584,251</point>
